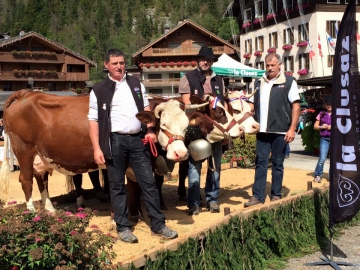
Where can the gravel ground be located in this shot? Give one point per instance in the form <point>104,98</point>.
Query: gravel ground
<point>346,249</point>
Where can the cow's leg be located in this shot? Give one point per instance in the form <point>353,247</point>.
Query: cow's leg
<point>183,171</point>
<point>78,190</point>
<point>95,180</point>
<point>106,182</point>
<point>159,179</point>
<point>43,188</point>
<point>26,178</point>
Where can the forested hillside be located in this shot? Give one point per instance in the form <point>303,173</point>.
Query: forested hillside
<point>90,27</point>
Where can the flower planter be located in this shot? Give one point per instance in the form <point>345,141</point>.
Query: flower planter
<point>193,63</point>
<point>247,55</point>
<point>246,24</point>
<point>179,64</point>
<point>258,53</point>
<point>156,64</point>
<point>258,20</point>
<point>302,44</point>
<point>271,16</point>
<point>186,63</point>
<point>289,73</point>
<point>141,65</point>
<point>271,50</point>
<point>163,64</point>
<point>303,72</point>
<point>171,64</point>
<point>148,65</point>
<point>287,47</point>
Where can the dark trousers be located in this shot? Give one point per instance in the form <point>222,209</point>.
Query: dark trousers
<point>267,143</point>
<point>129,149</point>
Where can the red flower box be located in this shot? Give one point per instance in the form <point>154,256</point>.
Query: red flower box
<point>287,47</point>
<point>270,16</point>
<point>179,64</point>
<point>193,63</point>
<point>141,65</point>
<point>171,64</point>
<point>271,50</point>
<point>247,55</point>
<point>303,71</point>
<point>163,64</point>
<point>186,63</point>
<point>289,73</point>
<point>302,43</point>
<point>148,65</point>
<point>246,24</point>
<point>156,64</point>
<point>258,20</point>
<point>258,53</point>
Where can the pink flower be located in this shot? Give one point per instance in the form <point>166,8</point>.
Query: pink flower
<point>12,202</point>
<point>37,239</point>
<point>80,209</point>
<point>81,215</point>
<point>95,211</point>
<point>26,212</point>
<point>60,220</point>
<point>271,50</point>
<point>94,226</point>
<point>37,218</point>
<point>302,43</point>
<point>68,213</point>
<point>73,232</point>
<point>54,203</point>
<point>303,71</point>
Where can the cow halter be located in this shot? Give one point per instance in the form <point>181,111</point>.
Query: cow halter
<point>223,130</point>
<point>172,137</point>
<point>247,114</point>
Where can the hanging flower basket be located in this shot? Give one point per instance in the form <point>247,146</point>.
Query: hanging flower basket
<point>303,43</point>
<point>303,71</point>
<point>258,53</point>
<point>186,63</point>
<point>246,24</point>
<point>289,73</point>
<point>247,55</point>
<point>193,63</point>
<point>171,64</point>
<point>163,64</point>
<point>287,47</point>
<point>271,50</point>
<point>270,16</point>
<point>179,64</point>
<point>148,65</point>
<point>258,20</point>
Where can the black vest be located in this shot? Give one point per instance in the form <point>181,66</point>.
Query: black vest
<point>104,92</point>
<point>196,81</point>
<point>280,109</point>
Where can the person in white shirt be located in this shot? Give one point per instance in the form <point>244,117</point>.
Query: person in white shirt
<point>116,136</point>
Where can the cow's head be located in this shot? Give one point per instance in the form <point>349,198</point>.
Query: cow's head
<point>170,125</point>
<point>224,123</point>
<point>239,106</point>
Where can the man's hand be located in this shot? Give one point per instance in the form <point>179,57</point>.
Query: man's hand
<point>99,157</point>
<point>289,136</point>
<point>151,135</point>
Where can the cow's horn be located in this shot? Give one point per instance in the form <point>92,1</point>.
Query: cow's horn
<point>250,95</point>
<point>195,106</point>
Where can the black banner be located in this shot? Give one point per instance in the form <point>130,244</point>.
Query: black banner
<point>345,123</point>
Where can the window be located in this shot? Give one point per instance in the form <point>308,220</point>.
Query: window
<point>20,48</point>
<point>273,41</point>
<point>7,87</point>
<point>258,8</point>
<point>288,35</point>
<point>155,91</point>
<point>287,4</point>
<point>303,32</point>
<point>304,61</point>
<point>248,45</point>
<point>347,1</point>
<point>247,15</point>
<point>249,64</point>
<point>272,6</point>
<point>259,43</point>
<point>333,1</point>
<point>193,34</point>
<point>52,86</point>
<point>330,60</point>
<point>75,68</point>
<point>288,63</point>
<point>331,28</point>
<point>178,34</point>
<point>37,49</point>
<point>260,65</point>
<point>196,44</point>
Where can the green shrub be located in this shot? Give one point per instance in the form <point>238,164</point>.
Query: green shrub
<point>47,241</point>
<point>244,151</point>
<point>310,137</point>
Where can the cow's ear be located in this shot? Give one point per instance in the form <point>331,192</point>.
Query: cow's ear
<point>146,117</point>
<point>195,99</point>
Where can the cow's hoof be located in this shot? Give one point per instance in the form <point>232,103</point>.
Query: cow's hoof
<point>163,207</point>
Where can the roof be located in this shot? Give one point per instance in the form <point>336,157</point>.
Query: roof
<point>10,40</point>
<point>192,24</point>
<point>4,95</point>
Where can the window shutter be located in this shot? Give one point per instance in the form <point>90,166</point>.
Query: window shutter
<point>300,59</point>
<point>284,36</point>
<point>299,33</point>
<point>292,63</point>
<point>262,43</point>
<point>292,35</point>
<point>307,62</point>
<point>275,40</point>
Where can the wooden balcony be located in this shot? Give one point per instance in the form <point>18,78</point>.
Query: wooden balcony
<point>218,50</point>
<point>77,76</point>
<point>26,58</point>
<point>9,76</point>
<point>161,83</point>
<point>175,68</point>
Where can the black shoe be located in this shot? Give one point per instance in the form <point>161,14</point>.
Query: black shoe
<point>251,202</point>
<point>213,207</point>
<point>166,233</point>
<point>193,210</point>
<point>127,236</point>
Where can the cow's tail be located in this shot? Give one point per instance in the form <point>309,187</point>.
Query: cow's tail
<point>5,172</point>
<point>69,184</point>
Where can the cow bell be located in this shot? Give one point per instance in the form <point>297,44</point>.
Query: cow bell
<point>199,149</point>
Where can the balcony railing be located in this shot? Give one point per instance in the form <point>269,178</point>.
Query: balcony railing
<point>29,58</point>
<point>168,68</point>
<point>77,76</point>
<point>10,76</point>
<point>180,51</point>
<point>160,82</point>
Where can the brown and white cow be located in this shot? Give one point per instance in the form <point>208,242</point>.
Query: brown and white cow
<point>55,129</point>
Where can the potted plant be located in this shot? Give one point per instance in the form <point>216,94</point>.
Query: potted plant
<point>171,64</point>
<point>163,64</point>
<point>156,64</point>
<point>186,63</point>
<point>148,65</point>
<point>271,50</point>
<point>302,43</point>
<point>310,137</point>
<point>193,63</point>
<point>258,20</point>
<point>303,72</point>
<point>246,24</point>
<point>271,16</point>
<point>179,64</point>
<point>247,55</point>
<point>289,73</point>
<point>258,53</point>
<point>141,65</point>
<point>287,47</point>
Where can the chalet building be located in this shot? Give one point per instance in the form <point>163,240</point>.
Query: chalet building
<point>31,60</point>
<point>163,61</point>
<point>295,29</point>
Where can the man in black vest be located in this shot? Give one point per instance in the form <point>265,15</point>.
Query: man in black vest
<point>116,136</point>
<point>199,82</point>
<point>277,109</point>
